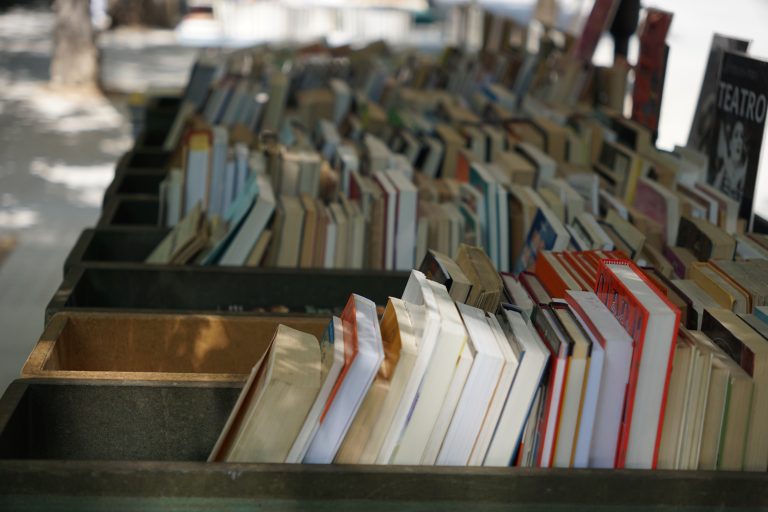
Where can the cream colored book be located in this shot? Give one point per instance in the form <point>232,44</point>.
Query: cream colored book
<point>275,401</point>
<point>369,415</point>
<point>422,306</point>
<point>260,249</point>
<point>400,352</point>
<point>190,233</point>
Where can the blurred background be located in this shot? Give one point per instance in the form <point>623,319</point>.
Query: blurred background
<point>64,121</point>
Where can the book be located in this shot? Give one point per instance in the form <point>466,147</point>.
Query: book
<point>422,305</point>
<point>750,351</point>
<point>659,204</point>
<point>651,320</point>
<point>440,268</point>
<point>405,222</point>
<point>272,407</point>
<point>574,391</point>
<point>401,349</point>
<point>546,234</point>
<point>511,352</point>
<point>335,355</point>
<point>560,348</point>
<point>737,132</point>
<point>517,408</point>
<point>254,221</point>
<point>482,379</point>
<point>701,126</point>
<point>435,386</point>
<point>616,347</point>
<point>361,322</point>
<point>486,284</point>
<point>184,240</point>
<point>651,69</point>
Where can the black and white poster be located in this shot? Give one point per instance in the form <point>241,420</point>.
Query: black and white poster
<point>739,122</point>
<point>703,116</point>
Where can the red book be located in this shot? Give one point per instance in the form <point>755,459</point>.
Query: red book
<point>652,321</point>
<point>549,275</point>
<point>349,324</point>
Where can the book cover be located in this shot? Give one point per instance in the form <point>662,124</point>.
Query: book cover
<point>651,68</point>
<point>703,116</point>
<point>737,135</point>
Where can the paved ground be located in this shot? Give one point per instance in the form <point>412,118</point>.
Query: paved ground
<point>57,154</point>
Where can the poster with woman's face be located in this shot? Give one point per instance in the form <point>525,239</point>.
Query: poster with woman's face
<point>741,107</point>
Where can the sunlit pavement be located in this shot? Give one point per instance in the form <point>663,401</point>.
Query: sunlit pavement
<point>57,155</point>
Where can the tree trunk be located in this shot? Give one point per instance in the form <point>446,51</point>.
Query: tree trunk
<point>75,61</point>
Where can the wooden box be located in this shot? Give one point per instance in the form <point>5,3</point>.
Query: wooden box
<point>131,211</point>
<point>143,346</point>
<point>235,290</point>
<point>113,245</point>
<point>106,445</point>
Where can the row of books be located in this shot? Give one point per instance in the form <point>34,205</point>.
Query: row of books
<point>435,382</point>
<point>558,178</point>
<point>607,376</point>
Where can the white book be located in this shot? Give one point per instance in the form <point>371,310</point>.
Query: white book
<point>230,178</point>
<point>352,391</point>
<point>241,165</point>
<point>171,192</point>
<point>437,380</point>
<point>218,171</point>
<point>252,227</point>
<point>483,378</point>
<point>434,158</point>
<point>448,409</point>
<point>422,305</point>
<point>587,184</point>
<point>332,354</point>
<point>510,353</point>
<point>390,192</point>
<point>591,394</point>
<point>533,361</point>
<point>405,223</point>
<point>329,259</point>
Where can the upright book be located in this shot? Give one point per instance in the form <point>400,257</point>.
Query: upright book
<point>737,136</point>
<point>652,322</point>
